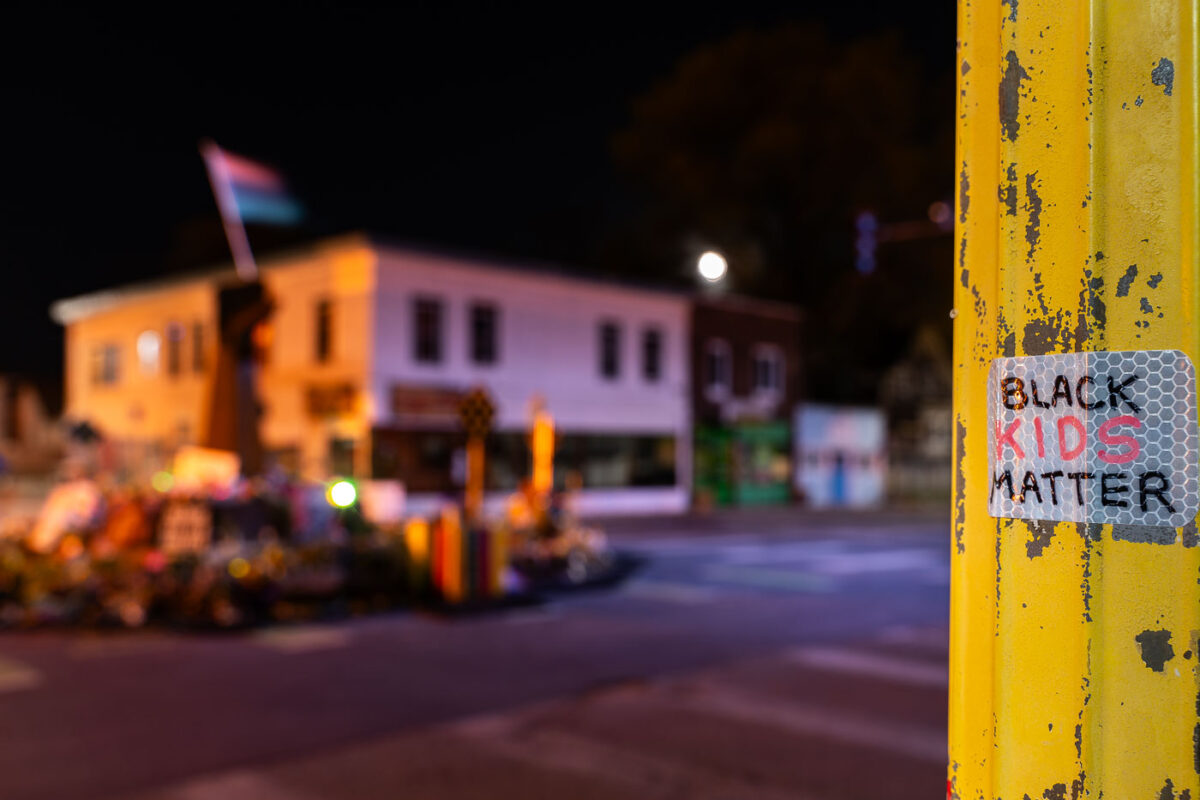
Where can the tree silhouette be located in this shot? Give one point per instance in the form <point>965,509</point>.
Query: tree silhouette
<point>766,145</point>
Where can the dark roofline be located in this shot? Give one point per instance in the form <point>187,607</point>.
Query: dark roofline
<point>70,309</point>
<point>753,305</point>
<point>522,265</point>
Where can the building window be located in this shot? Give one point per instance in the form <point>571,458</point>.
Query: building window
<point>427,330</point>
<point>198,347</point>
<point>426,460</point>
<point>105,364</point>
<point>767,370</point>
<point>611,461</point>
<point>324,340</point>
<point>718,369</point>
<point>610,350</point>
<point>174,348</point>
<point>341,457</point>
<point>149,344</point>
<point>652,354</point>
<point>484,333</point>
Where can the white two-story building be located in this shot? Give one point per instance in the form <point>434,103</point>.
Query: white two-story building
<point>371,346</point>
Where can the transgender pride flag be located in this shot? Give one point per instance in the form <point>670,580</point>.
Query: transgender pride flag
<point>246,191</point>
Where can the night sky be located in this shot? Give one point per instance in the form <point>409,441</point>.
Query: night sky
<point>481,128</point>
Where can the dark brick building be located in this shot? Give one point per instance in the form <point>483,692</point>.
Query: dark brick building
<point>746,384</point>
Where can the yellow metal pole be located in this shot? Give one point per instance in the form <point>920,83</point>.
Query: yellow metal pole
<point>1073,644</point>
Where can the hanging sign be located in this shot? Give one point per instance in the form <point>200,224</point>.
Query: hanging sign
<point>1094,437</point>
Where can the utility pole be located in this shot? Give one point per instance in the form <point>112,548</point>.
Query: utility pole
<point>1075,597</point>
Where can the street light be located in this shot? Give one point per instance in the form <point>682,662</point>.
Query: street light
<point>341,494</point>
<point>712,266</point>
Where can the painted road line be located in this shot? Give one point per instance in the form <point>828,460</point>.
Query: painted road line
<point>882,561</point>
<point>532,616</point>
<point>648,775</point>
<point>303,638</point>
<point>933,639</point>
<point>236,785</point>
<point>791,580</point>
<point>669,592</point>
<point>871,665</point>
<point>920,743</point>
<point>121,644</point>
<point>16,677</point>
<point>782,552</point>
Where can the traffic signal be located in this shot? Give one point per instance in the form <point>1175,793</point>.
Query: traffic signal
<point>864,244</point>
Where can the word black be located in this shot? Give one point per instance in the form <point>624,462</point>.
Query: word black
<point>1012,389</point>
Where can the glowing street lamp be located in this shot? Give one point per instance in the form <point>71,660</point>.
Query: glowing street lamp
<point>342,494</point>
<point>712,266</point>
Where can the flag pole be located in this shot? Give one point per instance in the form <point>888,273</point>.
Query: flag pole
<point>235,229</point>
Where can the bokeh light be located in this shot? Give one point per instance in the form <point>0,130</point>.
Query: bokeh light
<point>162,481</point>
<point>712,266</point>
<point>342,494</point>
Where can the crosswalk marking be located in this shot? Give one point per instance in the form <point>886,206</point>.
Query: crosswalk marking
<point>235,785</point>
<point>859,563</point>
<point>531,616</point>
<point>872,665</point>
<point>769,578</point>
<point>15,676</point>
<point>907,740</point>
<point>303,638</point>
<point>127,644</point>
<point>682,593</point>
<point>649,775</point>
<point>935,639</point>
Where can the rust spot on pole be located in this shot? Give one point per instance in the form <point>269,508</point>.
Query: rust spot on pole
<point>964,193</point>
<point>1156,648</point>
<point>1042,336</point>
<point>1126,281</point>
<point>1164,75</point>
<point>1040,534</point>
<point>1056,792</point>
<point>1144,534</point>
<point>1168,792</point>
<point>1033,204</point>
<point>1008,191</point>
<point>960,489</point>
<point>1010,95</point>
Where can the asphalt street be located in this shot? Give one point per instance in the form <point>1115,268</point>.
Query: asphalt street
<point>771,655</point>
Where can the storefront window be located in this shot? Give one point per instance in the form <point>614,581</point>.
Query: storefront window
<point>424,460</point>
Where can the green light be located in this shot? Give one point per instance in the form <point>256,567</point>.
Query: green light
<point>342,494</point>
<point>162,482</point>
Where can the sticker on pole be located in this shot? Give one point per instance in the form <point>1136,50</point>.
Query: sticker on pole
<point>1094,437</point>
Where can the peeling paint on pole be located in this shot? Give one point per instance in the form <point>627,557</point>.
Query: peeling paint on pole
<point>1010,95</point>
<point>1075,645</point>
